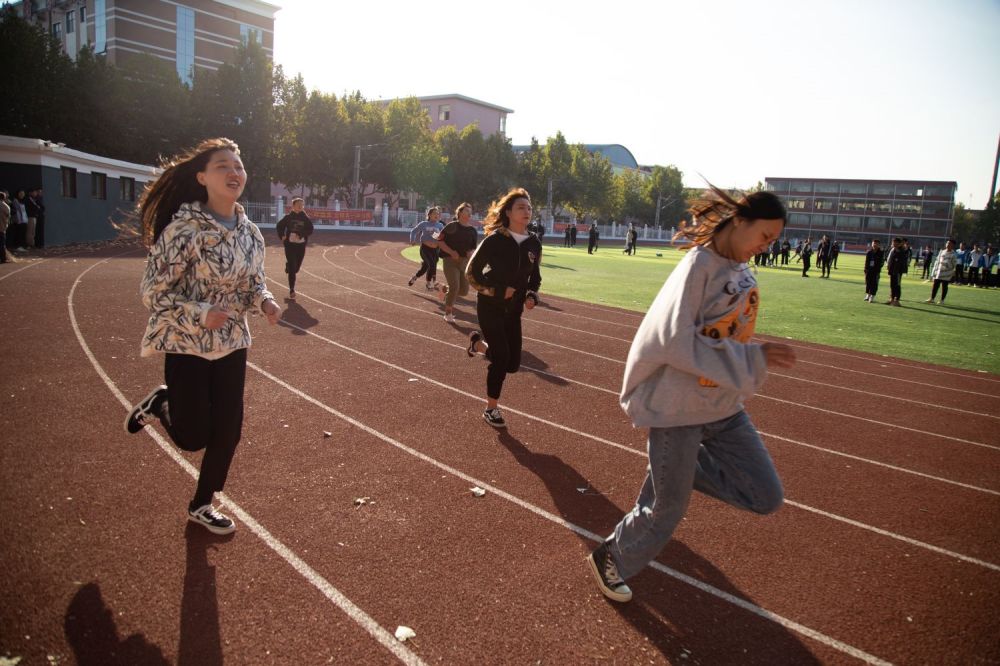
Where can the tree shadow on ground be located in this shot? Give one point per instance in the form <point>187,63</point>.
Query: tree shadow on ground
<point>90,630</point>
<point>200,635</point>
<point>297,315</point>
<point>679,620</point>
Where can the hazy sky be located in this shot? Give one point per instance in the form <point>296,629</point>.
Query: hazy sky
<point>734,90</point>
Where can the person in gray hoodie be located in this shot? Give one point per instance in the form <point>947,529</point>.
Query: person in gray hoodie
<point>691,367</point>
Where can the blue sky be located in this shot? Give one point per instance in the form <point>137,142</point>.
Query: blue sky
<point>736,91</point>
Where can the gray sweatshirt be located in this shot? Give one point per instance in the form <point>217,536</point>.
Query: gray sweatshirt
<point>691,361</point>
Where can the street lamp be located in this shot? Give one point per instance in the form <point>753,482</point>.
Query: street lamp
<point>659,207</point>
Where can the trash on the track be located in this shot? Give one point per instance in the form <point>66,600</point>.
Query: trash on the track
<point>403,633</point>
<point>413,379</point>
<point>477,491</point>
<point>581,490</point>
<point>361,501</point>
<point>327,433</point>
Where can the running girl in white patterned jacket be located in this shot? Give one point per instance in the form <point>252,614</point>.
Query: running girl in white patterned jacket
<point>204,273</point>
<point>688,373</point>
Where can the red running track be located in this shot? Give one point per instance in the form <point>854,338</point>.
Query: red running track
<point>885,552</point>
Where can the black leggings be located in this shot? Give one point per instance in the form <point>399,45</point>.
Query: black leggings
<point>502,331</point>
<point>294,254</point>
<point>428,262</point>
<point>205,411</point>
<point>944,289</point>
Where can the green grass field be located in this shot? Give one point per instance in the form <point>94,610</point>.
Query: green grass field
<point>962,333</point>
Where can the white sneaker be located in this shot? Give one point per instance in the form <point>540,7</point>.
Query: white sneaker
<point>449,318</point>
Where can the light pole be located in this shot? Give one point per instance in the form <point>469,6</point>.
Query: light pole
<point>357,172</point>
<point>659,207</point>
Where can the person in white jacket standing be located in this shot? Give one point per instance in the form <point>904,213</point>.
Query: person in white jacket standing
<point>689,370</point>
<point>943,270</point>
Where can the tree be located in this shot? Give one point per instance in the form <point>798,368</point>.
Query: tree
<point>290,98</point>
<point>594,183</point>
<point>415,163</point>
<point>559,170</point>
<point>478,169</point>
<point>532,172</point>
<point>630,202</point>
<point>666,190</point>
<point>366,127</point>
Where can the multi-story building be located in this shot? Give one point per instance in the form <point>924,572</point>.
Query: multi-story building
<point>188,33</point>
<point>853,212</point>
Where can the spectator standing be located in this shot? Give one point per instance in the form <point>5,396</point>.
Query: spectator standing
<point>926,258</point>
<point>572,234</point>
<point>806,255</point>
<point>4,223</point>
<point>896,264</point>
<point>834,253</point>
<point>786,250</point>
<point>823,256</point>
<point>294,231</point>
<point>943,271</point>
<point>204,273</point>
<point>960,264</point>
<point>874,259</point>
<point>592,237</point>
<point>973,260</point>
<point>33,210</point>
<point>19,221</point>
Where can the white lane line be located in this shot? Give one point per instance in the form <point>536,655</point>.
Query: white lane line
<point>635,452</point>
<point>15,272</point>
<point>563,347</point>
<point>386,639</point>
<point>606,309</point>
<point>936,387</point>
<point>869,394</point>
<point>587,534</point>
<point>410,290</point>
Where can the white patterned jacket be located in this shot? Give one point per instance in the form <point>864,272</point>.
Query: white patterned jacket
<point>195,264</point>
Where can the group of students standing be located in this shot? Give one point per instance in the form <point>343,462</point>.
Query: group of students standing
<point>692,364</point>
<point>22,221</point>
<point>942,271</point>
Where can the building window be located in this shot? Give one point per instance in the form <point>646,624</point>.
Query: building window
<point>185,44</point>
<point>853,206</point>
<point>798,220</point>
<point>83,15</point>
<point>503,123</point>
<point>824,204</point>
<point>99,185</point>
<point>777,185</point>
<point>797,203</point>
<point>68,182</point>
<point>907,208</point>
<point>57,30</point>
<point>802,186</point>
<point>938,191</point>
<point>848,222</point>
<point>70,23</point>
<point>854,189</point>
<point>444,112</point>
<point>827,188</point>
<point>248,33</point>
<point>100,26</point>
<point>882,189</point>
<point>127,188</point>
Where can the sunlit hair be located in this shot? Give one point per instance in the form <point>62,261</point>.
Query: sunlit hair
<point>499,209</point>
<point>298,200</point>
<point>465,205</point>
<point>432,209</point>
<point>711,214</point>
<point>177,185</point>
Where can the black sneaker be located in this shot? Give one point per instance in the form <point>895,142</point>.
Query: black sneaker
<point>602,565</point>
<point>474,337</point>
<point>146,411</point>
<point>411,281</point>
<point>212,520</point>
<point>494,418</point>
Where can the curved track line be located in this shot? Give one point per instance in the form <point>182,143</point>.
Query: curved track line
<point>936,387</point>
<point>606,358</point>
<point>386,639</point>
<point>24,268</point>
<point>622,447</point>
<point>524,504</point>
<point>409,290</point>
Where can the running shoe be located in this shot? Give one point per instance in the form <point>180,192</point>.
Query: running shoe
<point>612,585</point>
<point>213,521</point>
<point>146,411</point>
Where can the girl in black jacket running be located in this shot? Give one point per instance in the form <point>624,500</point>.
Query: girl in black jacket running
<point>504,271</point>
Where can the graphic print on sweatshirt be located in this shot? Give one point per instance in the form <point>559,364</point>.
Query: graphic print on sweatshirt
<point>739,322</point>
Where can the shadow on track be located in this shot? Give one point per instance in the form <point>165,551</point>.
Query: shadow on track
<point>91,632</point>
<point>680,621</point>
<point>298,315</point>
<point>200,639</point>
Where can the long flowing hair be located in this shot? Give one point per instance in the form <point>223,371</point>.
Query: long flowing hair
<point>497,217</point>
<point>177,185</point>
<point>711,214</point>
<point>462,206</point>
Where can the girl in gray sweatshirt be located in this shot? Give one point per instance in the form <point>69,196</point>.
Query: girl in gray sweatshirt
<point>689,370</point>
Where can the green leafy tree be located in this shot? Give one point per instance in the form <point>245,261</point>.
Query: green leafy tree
<point>629,200</point>
<point>415,162</point>
<point>665,188</point>
<point>290,99</point>
<point>366,127</point>
<point>478,169</point>
<point>532,172</point>
<point>559,169</point>
<point>594,183</point>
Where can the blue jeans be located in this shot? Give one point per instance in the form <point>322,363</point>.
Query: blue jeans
<point>725,459</point>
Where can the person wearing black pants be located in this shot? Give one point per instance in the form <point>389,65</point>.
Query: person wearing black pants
<point>204,273</point>
<point>873,269</point>
<point>294,230</point>
<point>806,255</point>
<point>896,264</point>
<point>426,233</point>
<point>505,290</point>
